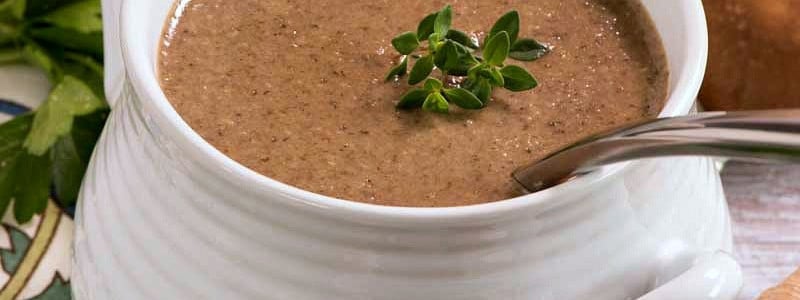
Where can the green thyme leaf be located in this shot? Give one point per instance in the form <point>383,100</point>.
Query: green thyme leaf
<point>413,99</point>
<point>455,53</point>
<point>406,42</point>
<point>496,49</point>
<point>447,57</point>
<point>527,50</point>
<point>434,39</point>
<point>435,102</point>
<point>472,74</point>
<point>422,68</point>
<point>84,17</point>
<point>465,61</point>
<point>482,89</point>
<point>69,98</point>
<point>453,57</point>
<point>425,27</point>
<point>443,20</point>
<point>463,98</point>
<point>33,177</point>
<point>517,79</point>
<point>461,38</point>
<point>432,85</point>
<point>398,70</point>
<point>509,23</point>
<point>493,75</point>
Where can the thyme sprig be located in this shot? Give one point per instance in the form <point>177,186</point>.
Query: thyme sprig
<point>475,69</point>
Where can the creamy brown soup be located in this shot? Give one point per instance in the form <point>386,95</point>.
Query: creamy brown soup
<point>294,90</point>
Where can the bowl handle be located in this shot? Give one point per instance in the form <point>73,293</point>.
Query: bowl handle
<point>114,67</point>
<point>713,276</point>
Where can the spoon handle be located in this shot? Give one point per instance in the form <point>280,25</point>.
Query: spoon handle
<point>767,135</point>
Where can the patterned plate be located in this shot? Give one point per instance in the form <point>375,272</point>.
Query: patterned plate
<point>35,257</point>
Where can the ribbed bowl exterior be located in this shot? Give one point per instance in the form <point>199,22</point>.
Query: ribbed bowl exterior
<point>153,223</point>
<point>159,218</point>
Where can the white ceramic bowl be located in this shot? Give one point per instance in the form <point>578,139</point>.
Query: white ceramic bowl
<point>164,215</point>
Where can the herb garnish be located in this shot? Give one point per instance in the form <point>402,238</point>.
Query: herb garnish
<point>471,72</point>
<point>51,146</point>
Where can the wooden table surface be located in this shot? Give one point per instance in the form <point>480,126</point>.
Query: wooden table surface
<point>765,206</point>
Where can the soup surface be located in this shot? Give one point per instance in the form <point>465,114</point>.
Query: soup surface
<point>295,91</point>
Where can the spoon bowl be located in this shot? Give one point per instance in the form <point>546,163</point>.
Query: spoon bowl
<point>768,135</point>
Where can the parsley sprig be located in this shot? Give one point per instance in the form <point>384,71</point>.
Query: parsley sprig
<point>50,147</point>
<point>469,73</point>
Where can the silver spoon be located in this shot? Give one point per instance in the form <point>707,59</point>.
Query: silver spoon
<point>767,135</point>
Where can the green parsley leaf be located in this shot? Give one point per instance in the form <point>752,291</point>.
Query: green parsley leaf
<point>70,39</point>
<point>443,21</point>
<point>406,42</point>
<point>12,135</point>
<point>509,23</point>
<point>463,98</point>
<point>435,102</point>
<point>413,99</point>
<point>425,27</point>
<point>10,56</point>
<point>68,169</point>
<point>37,56</point>
<point>85,61</point>
<point>23,177</point>
<point>8,184</point>
<point>398,70</point>
<point>527,50</point>
<point>37,8</point>
<point>8,33</point>
<point>69,98</point>
<point>52,145</point>
<point>12,10</point>
<point>422,68</point>
<point>84,17</point>
<point>517,79</point>
<point>71,155</point>
<point>86,69</point>
<point>496,49</point>
<point>33,175</point>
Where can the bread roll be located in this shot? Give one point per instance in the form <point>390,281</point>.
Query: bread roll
<point>754,57</point>
<point>788,290</point>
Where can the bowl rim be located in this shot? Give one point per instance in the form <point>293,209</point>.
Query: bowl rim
<point>145,84</point>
